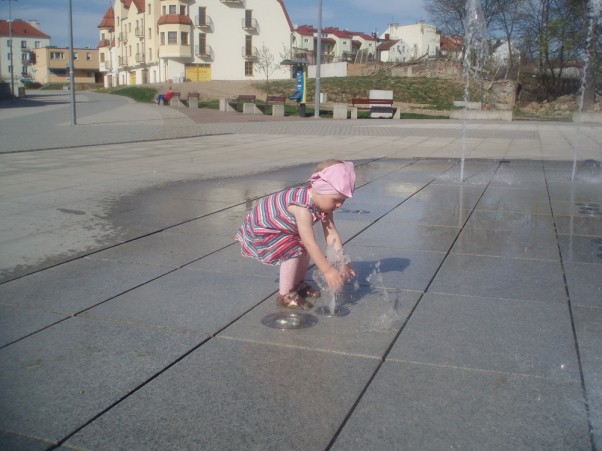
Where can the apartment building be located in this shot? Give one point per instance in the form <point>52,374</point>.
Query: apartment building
<point>26,37</point>
<point>422,39</point>
<point>336,45</point>
<point>152,41</point>
<point>52,65</point>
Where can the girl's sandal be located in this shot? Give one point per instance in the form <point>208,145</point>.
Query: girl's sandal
<point>293,301</point>
<point>307,291</point>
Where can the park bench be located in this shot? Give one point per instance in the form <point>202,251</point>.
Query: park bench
<point>376,106</point>
<point>277,102</point>
<point>242,99</point>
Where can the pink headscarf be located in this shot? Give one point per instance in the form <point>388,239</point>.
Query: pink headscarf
<point>336,179</point>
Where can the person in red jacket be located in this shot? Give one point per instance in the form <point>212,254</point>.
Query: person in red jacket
<point>165,97</point>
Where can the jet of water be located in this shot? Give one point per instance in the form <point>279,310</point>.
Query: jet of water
<point>476,52</point>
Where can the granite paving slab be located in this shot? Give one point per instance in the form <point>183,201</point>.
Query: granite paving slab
<point>236,395</point>
<point>53,382</point>
<point>399,268</point>
<point>584,281</point>
<point>515,200</point>
<point>200,302</point>
<point>77,285</point>
<point>501,277</point>
<point>373,316</point>
<point>426,214</point>
<point>581,249</point>
<point>511,221</point>
<point>10,441</point>
<point>579,225</point>
<point>17,322</point>
<point>417,406</point>
<point>588,328</point>
<point>408,236</point>
<point>167,248</point>
<point>516,243</point>
<point>490,334</point>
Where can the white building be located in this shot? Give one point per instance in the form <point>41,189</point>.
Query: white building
<point>394,51</point>
<point>422,39</point>
<point>26,37</point>
<point>336,45</point>
<point>151,41</point>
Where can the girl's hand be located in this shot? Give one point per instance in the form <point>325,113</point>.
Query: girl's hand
<point>348,273</point>
<point>333,279</point>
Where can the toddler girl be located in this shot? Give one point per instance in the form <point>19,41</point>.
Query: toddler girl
<point>279,230</point>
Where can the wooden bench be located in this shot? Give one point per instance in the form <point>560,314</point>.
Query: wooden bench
<point>275,99</point>
<point>242,98</point>
<point>384,106</point>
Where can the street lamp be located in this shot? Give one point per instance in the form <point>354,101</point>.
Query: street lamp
<point>10,33</point>
<point>318,61</point>
<point>71,69</point>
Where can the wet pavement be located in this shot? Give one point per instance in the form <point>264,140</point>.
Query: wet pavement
<point>128,319</point>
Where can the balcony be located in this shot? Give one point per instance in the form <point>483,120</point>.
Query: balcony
<point>104,43</point>
<point>123,61</point>
<point>123,37</point>
<point>249,53</point>
<point>204,52</point>
<point>140,58</point>
<point>233,2</point>
<point>250,25</point>
<point>139,32</point>
<point>106,66</point>
<point>175,51</point>
<point>204,23</point>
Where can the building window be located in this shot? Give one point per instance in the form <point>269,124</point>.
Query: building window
<point>163,10</point>
<point>57,56</point>
<point>148,8</point>
<point>150,31</point>
<point>248,18</point>
<point>182,10</point>
<point>184,38</point>
<point>9,55</point>
<point>249,46</point>
<point>172,37</point>
<point>202,43</point>
<point>249,68</point>
<point>8,42</point>
<point>202,15</point>
<point>89,56</point>
<point>172,9</point>
<point>23,44</point>
<point>150,54</point>
<point>102,57</point>
<point>74,55</point>
<point>162,38</point>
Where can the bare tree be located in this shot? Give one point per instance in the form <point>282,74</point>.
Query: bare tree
<point>266,64</point>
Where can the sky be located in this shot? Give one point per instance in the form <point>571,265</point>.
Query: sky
<point>355,15</point>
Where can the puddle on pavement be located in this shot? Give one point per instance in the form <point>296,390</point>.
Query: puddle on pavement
<point>289,320</point>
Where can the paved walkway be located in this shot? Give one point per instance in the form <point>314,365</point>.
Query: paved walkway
<point>128,319</point>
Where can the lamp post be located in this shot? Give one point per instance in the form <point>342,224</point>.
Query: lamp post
<point>71,69</point>
<point>10,33</point>
<point>318,62</point>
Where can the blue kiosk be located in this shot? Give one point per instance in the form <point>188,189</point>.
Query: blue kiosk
<point>299,72</point>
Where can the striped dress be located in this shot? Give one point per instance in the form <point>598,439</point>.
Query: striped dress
<point>269,233</point>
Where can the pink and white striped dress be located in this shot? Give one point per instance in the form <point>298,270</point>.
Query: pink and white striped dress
<point>269,233</point>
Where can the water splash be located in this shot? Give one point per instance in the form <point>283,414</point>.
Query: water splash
<point>595,8</point>
<point>339,260</point>
<point>476,51</point>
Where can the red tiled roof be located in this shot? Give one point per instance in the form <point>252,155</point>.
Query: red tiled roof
<point>306,30</point>
<point>21,29</point>
<point>386,45</point>
<point>361,34</point>
<point>139,4</point>
<point>174,18</point>
<point>108,20</point>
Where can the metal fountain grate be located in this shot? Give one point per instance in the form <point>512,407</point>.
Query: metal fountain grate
<point>289,320</point>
